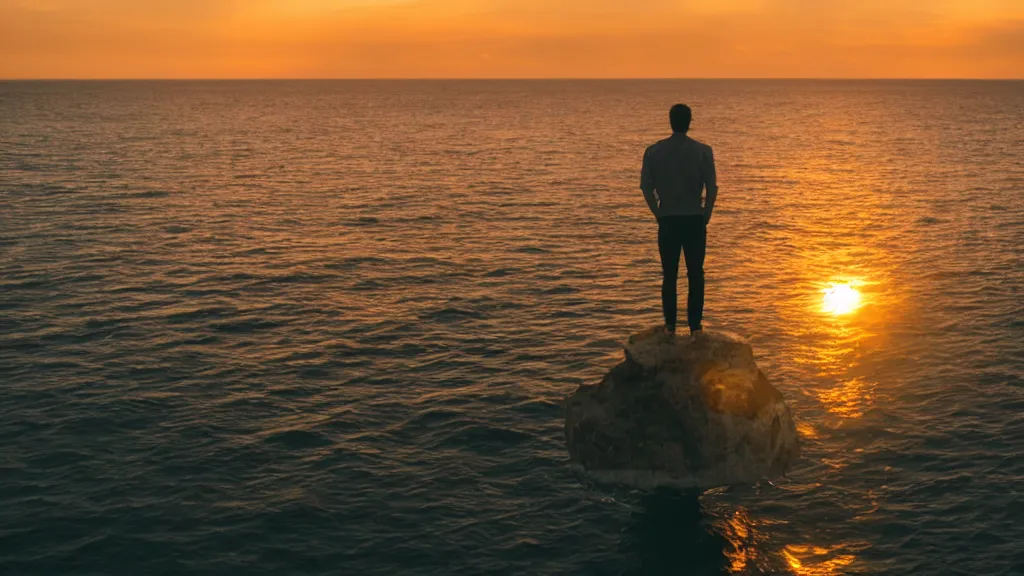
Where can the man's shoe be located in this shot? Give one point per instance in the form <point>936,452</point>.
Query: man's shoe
<point>670,329</point>
<point>697,333</point>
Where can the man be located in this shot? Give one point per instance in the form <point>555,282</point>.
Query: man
<point>675,172</point>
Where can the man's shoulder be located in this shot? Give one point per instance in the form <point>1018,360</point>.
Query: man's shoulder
<point>656,146</point>
<point>702,146</point>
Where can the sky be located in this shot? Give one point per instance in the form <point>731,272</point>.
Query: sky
<point>512,39</point>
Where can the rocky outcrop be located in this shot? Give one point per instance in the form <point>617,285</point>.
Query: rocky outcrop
<point>684,412</point>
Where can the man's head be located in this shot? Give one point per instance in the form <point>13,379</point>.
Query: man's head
<point>679,116</point>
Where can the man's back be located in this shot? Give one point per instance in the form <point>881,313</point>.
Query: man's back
<point>675,172</point>
<point>677,169</point>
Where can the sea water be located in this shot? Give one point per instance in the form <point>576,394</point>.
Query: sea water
<point>327,327</point>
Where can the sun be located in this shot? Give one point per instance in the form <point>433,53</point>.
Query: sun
<point>840,298</point>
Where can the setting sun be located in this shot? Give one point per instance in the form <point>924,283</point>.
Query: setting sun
<point>840,298</point>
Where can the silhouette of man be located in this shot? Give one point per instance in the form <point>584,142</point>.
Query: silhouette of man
<point>675,172</point>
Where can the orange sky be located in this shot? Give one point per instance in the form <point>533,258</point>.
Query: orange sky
<point>511,38</point>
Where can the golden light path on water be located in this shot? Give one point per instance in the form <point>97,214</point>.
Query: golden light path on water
<point>849,396</point>
<point>832,292</point>
<point>835,311</point>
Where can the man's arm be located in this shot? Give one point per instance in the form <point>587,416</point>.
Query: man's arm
<point>710,184</point>
<point>647,185</point>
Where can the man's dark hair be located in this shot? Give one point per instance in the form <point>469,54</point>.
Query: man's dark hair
<point>679,116</point>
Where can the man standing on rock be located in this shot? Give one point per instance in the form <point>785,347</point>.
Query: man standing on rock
<point>675,173</point>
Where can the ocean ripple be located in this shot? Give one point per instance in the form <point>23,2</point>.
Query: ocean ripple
<point>337,339</point>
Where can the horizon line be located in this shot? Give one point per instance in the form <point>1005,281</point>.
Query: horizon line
<point>501,79</point>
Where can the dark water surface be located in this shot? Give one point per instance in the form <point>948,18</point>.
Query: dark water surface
<point>326,327</point>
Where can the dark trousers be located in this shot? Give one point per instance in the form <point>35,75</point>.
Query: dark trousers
<point>689,235</point>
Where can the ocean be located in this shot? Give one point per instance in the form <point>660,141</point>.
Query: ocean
<point>326,327</point>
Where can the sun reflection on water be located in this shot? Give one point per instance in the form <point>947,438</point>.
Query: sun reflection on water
<point>834,353</point>
<point>807,560</point>
<point>840,298</point>
<point>744,556</point>
<point>741,553</point>
<point>848,398</point>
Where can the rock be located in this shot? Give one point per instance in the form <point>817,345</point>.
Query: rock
<point>683,412</point>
